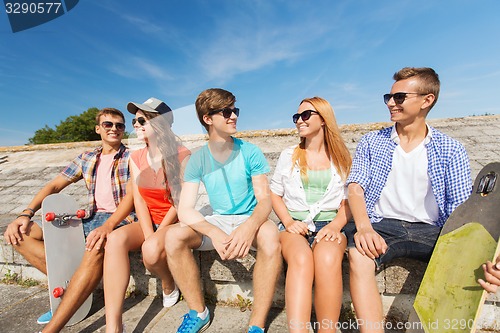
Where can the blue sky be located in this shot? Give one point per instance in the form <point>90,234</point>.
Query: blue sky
<point>270,54</point>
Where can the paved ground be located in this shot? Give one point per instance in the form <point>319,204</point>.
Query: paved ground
<point>21,306</point>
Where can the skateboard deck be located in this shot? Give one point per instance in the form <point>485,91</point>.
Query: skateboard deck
<point>64,248</point>
<point>449,298</point>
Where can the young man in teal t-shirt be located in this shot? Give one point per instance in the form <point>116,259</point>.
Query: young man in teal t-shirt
<point>234,174</point>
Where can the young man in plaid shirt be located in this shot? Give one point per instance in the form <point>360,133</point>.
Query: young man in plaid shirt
<point>404,183</point>
<point>105,171</point>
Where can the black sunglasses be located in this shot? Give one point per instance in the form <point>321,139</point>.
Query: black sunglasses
<point>399,97</point>
<point>305,115</point>
<point>226,112</point>
<point>140,120</point>
<point>107,125</point>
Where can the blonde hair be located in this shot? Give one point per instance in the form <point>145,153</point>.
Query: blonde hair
<point>168,144</point>
<point>427,77</point>
<point>336,149</point>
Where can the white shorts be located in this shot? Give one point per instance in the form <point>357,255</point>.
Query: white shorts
<point>226,223</point>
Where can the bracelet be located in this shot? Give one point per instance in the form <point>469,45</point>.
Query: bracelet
<point>26,215</point>
<point>31,210</point>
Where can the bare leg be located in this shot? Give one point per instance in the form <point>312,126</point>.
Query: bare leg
<point>299,280</point>
<point>328,283</point>
<point>32,248</point>
<point>179,241</point>
<point>155,259</point>
<point>117,271</point>
<point>82,284</point>
<point>266,271</point>
<point>364,292</point>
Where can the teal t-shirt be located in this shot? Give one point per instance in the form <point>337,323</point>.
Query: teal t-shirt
<point>229,184</point>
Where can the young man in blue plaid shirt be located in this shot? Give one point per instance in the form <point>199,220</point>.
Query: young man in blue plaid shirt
<point>105,172</point>
<point>404,183</point>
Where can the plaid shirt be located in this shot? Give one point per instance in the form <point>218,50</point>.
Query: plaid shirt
<point>448,170</point>
<point>84,166</point>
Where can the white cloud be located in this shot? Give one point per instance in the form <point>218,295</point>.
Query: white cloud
<point>248,41</point>
<point>134,67</point>
<point>143,25</point>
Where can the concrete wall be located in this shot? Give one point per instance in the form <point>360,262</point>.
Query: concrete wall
<point>24,170</point>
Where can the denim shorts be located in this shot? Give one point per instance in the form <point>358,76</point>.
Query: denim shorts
<point>414,240</point>
<point>97,220</point>
<point>310,234</point>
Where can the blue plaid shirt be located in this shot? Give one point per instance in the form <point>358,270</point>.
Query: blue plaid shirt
<point>448,170</point>
<point>84,166</point>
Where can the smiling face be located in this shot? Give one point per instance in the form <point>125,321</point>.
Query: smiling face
<point>142,126</point>
<point>112,136</point>
<point>312,126</point>
<point>415,106</point>
<point>219,124</point>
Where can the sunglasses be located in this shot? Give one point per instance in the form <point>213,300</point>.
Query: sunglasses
<point>140,120</point>
<point>305,115</point>
<point>108,125</point>
<point>226,112</point>
<point>399,97</point>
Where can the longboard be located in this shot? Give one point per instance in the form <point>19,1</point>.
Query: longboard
<point>64,248</point>
<point>449,298</point>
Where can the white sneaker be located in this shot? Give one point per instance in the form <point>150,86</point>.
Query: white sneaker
<point>172,298</point>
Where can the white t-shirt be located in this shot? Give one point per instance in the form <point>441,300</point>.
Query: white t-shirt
<point>407,194</point>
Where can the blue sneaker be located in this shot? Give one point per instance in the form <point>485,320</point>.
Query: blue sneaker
<point>193,324</point>
<point>255,329</point>
<point>45,318</point>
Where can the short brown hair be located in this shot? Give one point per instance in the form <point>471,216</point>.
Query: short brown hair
<point>110,111</point>
<point>210,100</point>
<point>428,78</point>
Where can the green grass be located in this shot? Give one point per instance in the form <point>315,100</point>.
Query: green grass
<point>14,278</point>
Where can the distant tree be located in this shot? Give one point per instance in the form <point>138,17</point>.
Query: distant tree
<point>483,114</point>
<point>43,135</point>
<point>73,129</point>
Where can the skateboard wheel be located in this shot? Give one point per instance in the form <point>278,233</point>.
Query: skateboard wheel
<point>50,216</point>
<point>80,213</point>
<point>58,292</point>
